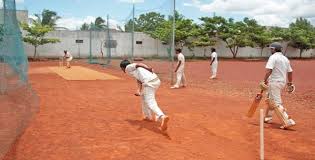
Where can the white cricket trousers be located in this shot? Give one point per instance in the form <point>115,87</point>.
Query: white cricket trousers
<point>274,94</point>
<point>214,69</point>
<point>180,78</point>
<point>149,103</point>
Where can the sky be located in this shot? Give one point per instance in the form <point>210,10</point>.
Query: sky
<point>267,12</point>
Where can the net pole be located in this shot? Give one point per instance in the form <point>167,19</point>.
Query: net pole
<point>90,43</point>
<point>173,43</point>
<point>133,30</point>
<point>78,37</point>
<point>109,42</point>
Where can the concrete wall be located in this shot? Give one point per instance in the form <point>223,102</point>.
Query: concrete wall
<point>22,15</point>
<point>149,48</point>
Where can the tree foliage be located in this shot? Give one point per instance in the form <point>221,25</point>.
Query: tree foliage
<point>98,25</point>
<point>236,34</point>
<point>302,35</point>
<point>47,17</point>
<point>36,35</point>
<point>202,39</point>
<point>258,35</point>
<point>85,27</point>
<point>157,26</point>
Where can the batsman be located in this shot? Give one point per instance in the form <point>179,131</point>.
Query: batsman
<point>278,74</point>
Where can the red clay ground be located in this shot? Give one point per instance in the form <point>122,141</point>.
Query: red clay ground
<point>100,120</point>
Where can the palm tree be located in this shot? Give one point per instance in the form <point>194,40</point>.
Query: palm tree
<point>99,23</point>
<point>47,17</point>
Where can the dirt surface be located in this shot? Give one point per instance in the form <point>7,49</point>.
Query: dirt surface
<point>100,120</point>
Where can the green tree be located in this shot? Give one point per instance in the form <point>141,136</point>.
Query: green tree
<point>128,26</point>
<point>262,39</point>
<point>302,35</point>
<point>212,26</point>
<point>149,22</point>
<point>208,31</point>
<point>146,23</point>
<point>201,39</point>
<point>235,35</point>
<point>85,27</point>
<point>99,24</point>
<point>157,26</point>
<point>258,35</point>
<point>184,29</point>
<point>47,17</point>
<point>36,35</point>
<point>281,35</point>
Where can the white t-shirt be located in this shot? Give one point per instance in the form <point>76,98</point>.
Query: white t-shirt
<point>214,56</point>
<point>280,66</point>
<point>140,73</point>
<point>181,57</point>
<point>68,55</point>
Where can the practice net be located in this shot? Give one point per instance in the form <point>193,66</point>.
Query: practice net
<point>18,102</point>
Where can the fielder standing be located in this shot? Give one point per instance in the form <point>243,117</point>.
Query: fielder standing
<point>148,82</point>
<point>214,63</point>
<point>278,70</point>
<point>180,70</point>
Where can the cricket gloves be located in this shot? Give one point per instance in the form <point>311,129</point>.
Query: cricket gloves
<point>290,88</point>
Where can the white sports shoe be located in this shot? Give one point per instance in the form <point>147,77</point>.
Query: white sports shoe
<point>291,123</point>
<point>268,120</point>
<point>174,87</point>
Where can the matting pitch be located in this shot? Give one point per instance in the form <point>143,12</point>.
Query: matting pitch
<point>81,73</point>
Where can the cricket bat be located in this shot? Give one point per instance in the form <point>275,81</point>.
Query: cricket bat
<point>255,104</point>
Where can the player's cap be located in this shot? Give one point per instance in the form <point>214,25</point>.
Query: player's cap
<point>275,45</point>
<point>124,63</point>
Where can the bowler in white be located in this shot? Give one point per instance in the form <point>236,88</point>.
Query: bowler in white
<point>148,83</point>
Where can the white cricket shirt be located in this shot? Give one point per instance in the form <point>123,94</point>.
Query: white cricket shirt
<point>214,56</point>
<point>280,66</point>
<point>181,58</point>
<point>68,55</point>
<point>140,73</point>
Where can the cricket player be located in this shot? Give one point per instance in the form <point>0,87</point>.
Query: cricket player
<point>180,70</point>
<point>68,58</point>
<point>214,63</point>
<point>148,82</point>
<point>278,69</point>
